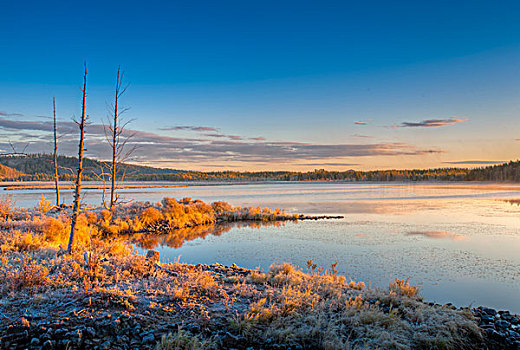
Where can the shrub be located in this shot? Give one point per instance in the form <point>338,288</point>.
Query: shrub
<point>6,207</point>
<point>403,287</point>
<point>55,231</point>
<point>27,274</point>
<point>43,205</point>
<point>150,215</point>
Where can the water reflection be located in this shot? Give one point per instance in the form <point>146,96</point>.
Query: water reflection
<point>178,237</point>
<point>460,241</point>
<point>513,201</point>
<point>438,235</point>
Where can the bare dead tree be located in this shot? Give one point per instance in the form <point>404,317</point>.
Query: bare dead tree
<point>114,134</point>
<point>77,193</point>
<point>15,153</point>
<point>56,180</point>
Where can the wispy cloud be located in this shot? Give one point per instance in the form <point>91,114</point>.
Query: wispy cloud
<point>476,162</point>
<point>153,147</point>
<point>23,124</point>
<point>191,128</point>
<point>360,123</point>
<point>432,123</point>
<point>216,135</point>
<point>5,114</point>
<point>362,136</point>
<point>220,136</point>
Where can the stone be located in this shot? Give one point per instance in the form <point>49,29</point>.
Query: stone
<point>89,332</point>
<point>487,318</point>
<point>48,345</point>
<point>502,324</point>
<point>149,339</point>
<point>489,311</point>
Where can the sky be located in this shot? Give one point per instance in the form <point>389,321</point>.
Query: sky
<point>271,85</point>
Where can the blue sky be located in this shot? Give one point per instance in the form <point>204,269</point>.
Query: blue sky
<point>275,85</point>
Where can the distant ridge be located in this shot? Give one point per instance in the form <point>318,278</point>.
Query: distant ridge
<point>9,173</point>
<point>40,167</point>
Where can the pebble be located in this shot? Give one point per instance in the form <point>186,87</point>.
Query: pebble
<point>489,311</point>
<point>502,324</point>
<point>48,344</point>
<point>500,328</point>
<point>149,339</point>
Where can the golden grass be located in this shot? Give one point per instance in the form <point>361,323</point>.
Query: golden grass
<point>284,305</point>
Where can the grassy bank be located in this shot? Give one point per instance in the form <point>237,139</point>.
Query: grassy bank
<point>106,296</point>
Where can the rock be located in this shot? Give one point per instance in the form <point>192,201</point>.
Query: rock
<point>105,346</point>
<point>489,311</point>
<point>502,324</point>
<point>48,345</point>
<point>89,332</point>
<point>35,341</point>
<point>486,326</point>
<point>487,318</point>
<point>58,333</point>
<point>490,332</point>
<point>122,339</point>
<point>513,334</point>
<point>149,339</point>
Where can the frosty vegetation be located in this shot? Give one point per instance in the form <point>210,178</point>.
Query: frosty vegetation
<point>104,291</point>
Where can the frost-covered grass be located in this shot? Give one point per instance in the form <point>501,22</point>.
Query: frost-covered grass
<point>285,306</point>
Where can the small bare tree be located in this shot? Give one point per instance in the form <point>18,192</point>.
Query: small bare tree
<point>56,180</point>
<point>114,131</point>
<point>77,193</point>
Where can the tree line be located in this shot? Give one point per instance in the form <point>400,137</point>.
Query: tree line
<point>39,167</point>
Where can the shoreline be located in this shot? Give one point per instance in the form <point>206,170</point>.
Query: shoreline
<point>143,184</point>
<point>106,296</point>
<point>224,307</point>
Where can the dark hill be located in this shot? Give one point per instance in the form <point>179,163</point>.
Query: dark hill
<point>9,173</point>
<point>41,167</point>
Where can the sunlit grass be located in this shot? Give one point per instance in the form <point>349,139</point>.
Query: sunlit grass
<point>317,309</point>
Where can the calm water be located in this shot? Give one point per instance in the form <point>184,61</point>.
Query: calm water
<point>459,241</point>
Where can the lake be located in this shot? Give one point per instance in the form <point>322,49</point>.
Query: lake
<point>459,241</point>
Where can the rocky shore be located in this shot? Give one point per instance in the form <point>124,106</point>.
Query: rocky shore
<point>501,328</point>
<point>213,314</point>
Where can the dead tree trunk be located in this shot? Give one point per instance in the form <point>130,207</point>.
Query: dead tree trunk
<point>114,133</point>
<point>56,180</point>
<point>77,194</point>
<point>114,144</point>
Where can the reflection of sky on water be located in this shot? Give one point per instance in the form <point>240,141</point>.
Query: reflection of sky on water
<point>438,235</point>
<point>460,241</point>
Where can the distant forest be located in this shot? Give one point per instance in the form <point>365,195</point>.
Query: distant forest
<point>39,167</point>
